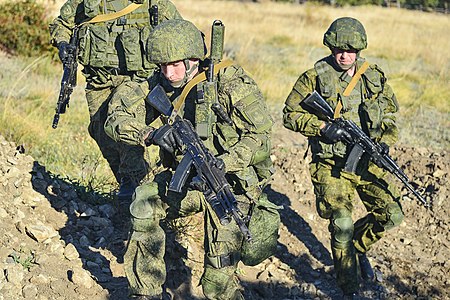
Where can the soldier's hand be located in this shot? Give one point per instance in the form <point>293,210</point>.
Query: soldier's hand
<point>166,137</point>
<point>220,164</point>
<point>333,133</point>
<point>198,184</point>
<point>63,51</point>
<point>384,148</point>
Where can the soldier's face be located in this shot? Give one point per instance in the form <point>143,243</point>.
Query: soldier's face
<point>175,71</point>
<point>344,57</point>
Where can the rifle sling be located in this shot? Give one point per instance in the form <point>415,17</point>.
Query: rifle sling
<point>111,16</point>
<point>196,80</point>
<point>350,87</point>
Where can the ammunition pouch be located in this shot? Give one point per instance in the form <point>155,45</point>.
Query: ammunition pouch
<point>224,260</point>
<point>263,225</point>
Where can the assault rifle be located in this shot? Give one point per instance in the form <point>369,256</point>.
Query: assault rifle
<point>360,142</point>
<point>154,17</point>
<point>217,190</point>
<point>69,78</point>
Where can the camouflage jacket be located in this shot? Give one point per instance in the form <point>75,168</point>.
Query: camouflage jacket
<point>371,105</point>
<point>244,146</point>
<point>118,44</point>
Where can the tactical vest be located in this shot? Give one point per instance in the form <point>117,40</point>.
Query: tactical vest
<point>363,105</point>
<point>219,136</point>
<point>118,43</point>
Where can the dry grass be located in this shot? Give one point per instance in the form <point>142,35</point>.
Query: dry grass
<point>275,42</point>
<point>278,41</point>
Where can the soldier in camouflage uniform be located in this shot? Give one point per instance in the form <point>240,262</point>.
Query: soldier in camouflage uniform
<point>372,105</point>
<point>112,52</point>
<point>243,147</point>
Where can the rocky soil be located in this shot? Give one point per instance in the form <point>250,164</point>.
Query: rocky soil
<point>57,242</point>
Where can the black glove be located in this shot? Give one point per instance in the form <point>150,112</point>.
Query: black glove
<point>220,164</point>
<point>64,50</point>
<point>334,133</point>
<point>166,137</point>
<point>198,184</point>
<point>384,148</point>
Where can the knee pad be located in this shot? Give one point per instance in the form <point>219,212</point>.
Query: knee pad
<point>394,216</point>
<point>147,208</point>
<point>342,225</point>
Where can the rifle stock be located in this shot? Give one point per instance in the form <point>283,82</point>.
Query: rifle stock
<point>361,143</point>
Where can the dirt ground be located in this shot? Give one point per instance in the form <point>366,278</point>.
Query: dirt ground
<point>58,243</point>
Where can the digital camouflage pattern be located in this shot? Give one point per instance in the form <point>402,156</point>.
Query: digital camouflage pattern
<point>346,34</point>
<point>177,42</point>
<point>111,53</point>
<point>245,149</point>
<point>124,160</point>
<point>372,106</point>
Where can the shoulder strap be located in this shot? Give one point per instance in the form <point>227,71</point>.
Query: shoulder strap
<point>196,80</point>
<point>112,16</point>
<point>350,87</point>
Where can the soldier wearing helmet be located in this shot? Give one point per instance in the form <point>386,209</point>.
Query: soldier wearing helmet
<point>111,41</point>
<point>242,147</point>
<point>357,91</point>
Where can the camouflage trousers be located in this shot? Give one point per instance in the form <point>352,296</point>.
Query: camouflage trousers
<point>124,160</point>
<point>334,190</point>
<point>144,258</point>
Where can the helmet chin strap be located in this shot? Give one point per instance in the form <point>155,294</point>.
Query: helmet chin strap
<point>190,68</point>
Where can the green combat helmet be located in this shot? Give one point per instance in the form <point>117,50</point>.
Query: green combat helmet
<point>175,40</point>
<point>346,34</point>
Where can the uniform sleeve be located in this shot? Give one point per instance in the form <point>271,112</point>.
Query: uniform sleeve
<point>253,124</point>
<point>127,114</point>
<point>294,116</point>
<point>61,27</point>
<point>390,108</point>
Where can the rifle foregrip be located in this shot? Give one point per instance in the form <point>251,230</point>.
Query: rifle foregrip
<point>55,121</point>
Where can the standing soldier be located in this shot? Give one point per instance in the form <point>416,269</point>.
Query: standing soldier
<point>111,48</point>
<point>238,137</point>
<point>356,91</point>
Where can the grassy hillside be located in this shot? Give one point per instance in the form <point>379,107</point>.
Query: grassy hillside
<point>275,42</point>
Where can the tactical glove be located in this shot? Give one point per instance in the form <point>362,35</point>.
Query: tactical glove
<point>333,133</point>
<point>64,51</point>
<point>220,164</point>
<point>166,138</point>
<point>384,148</point>
<point>198,184</point>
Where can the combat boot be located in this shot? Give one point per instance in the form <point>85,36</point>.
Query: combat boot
<point>126,189</point>
<point>365,267</point>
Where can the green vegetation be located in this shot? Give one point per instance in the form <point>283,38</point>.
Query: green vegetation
<point>425,5</point>
<point>26,261</point>
<point>24,28</point>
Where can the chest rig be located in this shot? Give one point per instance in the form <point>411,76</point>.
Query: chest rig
<point>118,43</point>
<point>361,103</point>
<point>350,99</point>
